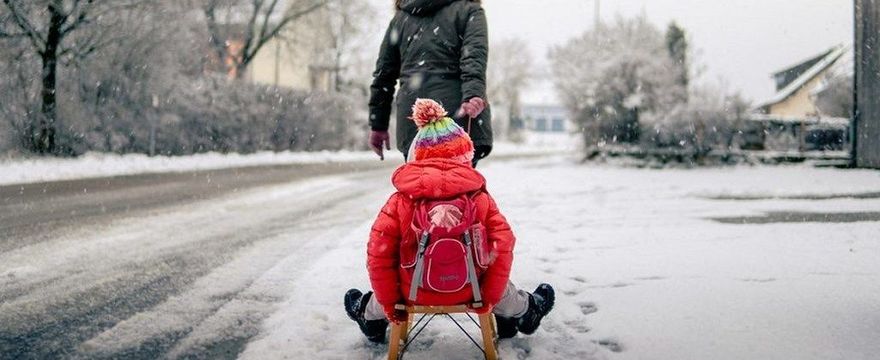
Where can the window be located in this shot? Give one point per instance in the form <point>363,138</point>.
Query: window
<point>541,124</point>
<point>558,125</point>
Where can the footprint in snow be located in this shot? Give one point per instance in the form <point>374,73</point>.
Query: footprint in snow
<point>618,284</point>
<point>588,307</point>
<point>651,278</point>
<point>578,326</point>
<point>610,344</point>
<point>521,346</point>
<point>579,279</point>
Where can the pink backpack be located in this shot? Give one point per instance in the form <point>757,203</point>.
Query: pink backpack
<point>451,249</point>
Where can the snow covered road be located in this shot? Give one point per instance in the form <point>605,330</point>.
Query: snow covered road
<point>713,263</point>
<point>140,267</point>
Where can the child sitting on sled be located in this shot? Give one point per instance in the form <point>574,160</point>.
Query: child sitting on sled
<point>441,240</point>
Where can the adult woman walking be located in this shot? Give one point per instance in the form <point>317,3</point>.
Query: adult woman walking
<point>437,49</point>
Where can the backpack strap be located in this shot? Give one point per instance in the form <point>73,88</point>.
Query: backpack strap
<point>420,266</point>
<point>472,270</point>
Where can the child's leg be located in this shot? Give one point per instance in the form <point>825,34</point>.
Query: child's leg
<point>514,303</point>
<point>374,310</point>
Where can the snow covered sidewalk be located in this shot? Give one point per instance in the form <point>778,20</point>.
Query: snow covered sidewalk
<point>648,264</point>
<point>95,165</point>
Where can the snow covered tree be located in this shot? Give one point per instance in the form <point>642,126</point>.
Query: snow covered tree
<point>835,96</point>
<point>143,88</point>
<point>710,121</point>
<point>677,45</point>
<point>58,31</point>
<point>121,92</point>
<point>628,82</point>
<point>610,76</point>
<point>511,70</point>
<point>336,38</point>
<point>236,40</point>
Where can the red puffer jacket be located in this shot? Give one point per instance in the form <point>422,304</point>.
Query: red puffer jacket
<point>434,179</point>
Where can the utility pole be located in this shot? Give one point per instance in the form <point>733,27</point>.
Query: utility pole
<point>597,19</point>
<point>866,85</point>
<point>154,119</point>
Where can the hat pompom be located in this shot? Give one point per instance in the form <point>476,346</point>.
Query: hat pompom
<point>427,111</point>
<point>439,136</point>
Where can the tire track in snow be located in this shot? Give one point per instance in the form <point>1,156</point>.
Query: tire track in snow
<point>222,310</point>
<point>60,293</point>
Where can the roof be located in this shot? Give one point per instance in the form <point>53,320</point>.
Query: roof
<point>816,66</point>
<point>841,70</point>
<point>788,75</point>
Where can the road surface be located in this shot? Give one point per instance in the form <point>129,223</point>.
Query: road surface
<point>95,268</point>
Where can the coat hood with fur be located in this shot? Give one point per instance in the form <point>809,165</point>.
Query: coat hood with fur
<point>423,7</point>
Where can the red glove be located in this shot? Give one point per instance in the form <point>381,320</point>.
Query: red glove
<point>377,140</point>
<point>394,315</point>
<point>472,108</point>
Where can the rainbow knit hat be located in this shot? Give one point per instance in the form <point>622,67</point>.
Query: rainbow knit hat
<point>439,136</point>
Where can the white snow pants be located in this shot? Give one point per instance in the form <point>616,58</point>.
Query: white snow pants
<point>513,304</point>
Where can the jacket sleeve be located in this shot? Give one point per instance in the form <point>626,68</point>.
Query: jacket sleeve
<point>501,238</point>
<point>474,54</point>
<point>385,78</point>
<point>383,254</point>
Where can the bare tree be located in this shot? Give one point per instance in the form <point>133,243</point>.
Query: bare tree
<point>347,25</point>
<point>264,20</point>
<point>56,31</point>
<point>511,71</point>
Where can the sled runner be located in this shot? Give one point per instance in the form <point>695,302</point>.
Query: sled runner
<point>400,338</point>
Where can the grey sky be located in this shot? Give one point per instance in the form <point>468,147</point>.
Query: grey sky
<point>740,41</point>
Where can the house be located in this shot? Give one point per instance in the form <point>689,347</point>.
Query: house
<point>299,59</point>
<point>794,119</point>
<point>302,57</point>
<point>795,85</point>
<point>544,119</point>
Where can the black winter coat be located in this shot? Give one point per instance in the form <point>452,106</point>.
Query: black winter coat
<point>437,49</point>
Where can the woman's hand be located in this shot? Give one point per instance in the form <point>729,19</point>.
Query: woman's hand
<point>378,141</point>
<point>472,108</point>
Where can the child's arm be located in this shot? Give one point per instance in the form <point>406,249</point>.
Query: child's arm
<point>383,255</point>
<point>502,240</point>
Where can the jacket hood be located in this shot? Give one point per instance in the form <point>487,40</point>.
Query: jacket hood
<point>436,179</point>
<point>423,7</point>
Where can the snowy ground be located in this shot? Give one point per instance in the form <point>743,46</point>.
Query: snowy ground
<point>712,263</point>
<point>641,271</point>
<point>93,165</point>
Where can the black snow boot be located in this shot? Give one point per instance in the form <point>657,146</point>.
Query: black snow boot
<point>355,305</point>
<point>506,326</point>
<point>540,303</point>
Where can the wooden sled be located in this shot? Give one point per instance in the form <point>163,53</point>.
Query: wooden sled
<point>400,338</point>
